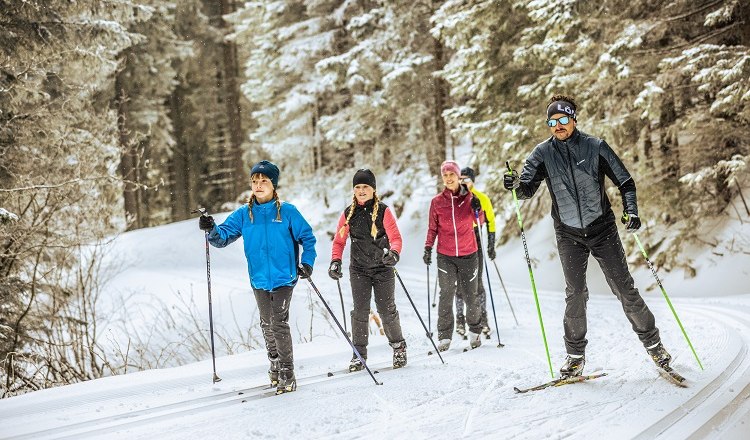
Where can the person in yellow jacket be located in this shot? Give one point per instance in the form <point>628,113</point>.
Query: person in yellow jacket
<point>487,217</point>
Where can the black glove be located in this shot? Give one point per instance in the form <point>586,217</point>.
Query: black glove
<point>427,258</point>
<point>631,221</point>
<point>334,270</point>
<point>390,258</point>
<point>511,181</point>
<point>206,223</point>
<point>304,270</point>
<point>491,246</point>
<point>476,205</point>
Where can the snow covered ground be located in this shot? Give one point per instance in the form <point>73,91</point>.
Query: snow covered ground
<point>470,395</point>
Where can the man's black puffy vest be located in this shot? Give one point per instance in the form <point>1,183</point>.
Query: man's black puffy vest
<point>367,252</point>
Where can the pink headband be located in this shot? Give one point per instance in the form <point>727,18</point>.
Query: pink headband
<point>450,165</point>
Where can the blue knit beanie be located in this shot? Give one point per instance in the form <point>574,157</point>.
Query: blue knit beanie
<point>268,169</point>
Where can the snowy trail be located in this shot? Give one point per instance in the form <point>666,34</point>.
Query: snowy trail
<point>470,396</point>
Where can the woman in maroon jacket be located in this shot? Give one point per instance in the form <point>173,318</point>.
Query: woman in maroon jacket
<point>452,214</point>
<point>376,244</point>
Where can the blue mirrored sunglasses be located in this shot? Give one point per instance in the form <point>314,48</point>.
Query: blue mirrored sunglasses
<point>563,120</point>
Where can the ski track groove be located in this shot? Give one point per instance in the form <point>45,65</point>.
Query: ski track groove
<point>117,422</point>
<point>483,397</point>
<point>733,377</point>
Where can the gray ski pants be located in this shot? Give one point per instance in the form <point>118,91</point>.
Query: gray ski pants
<point>274,322</point>
<point>458,274</point>
<point>381,282</point>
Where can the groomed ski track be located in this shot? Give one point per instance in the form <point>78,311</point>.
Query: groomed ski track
<point>469,396</point>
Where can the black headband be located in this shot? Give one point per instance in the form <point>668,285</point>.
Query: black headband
<point>561,107</point>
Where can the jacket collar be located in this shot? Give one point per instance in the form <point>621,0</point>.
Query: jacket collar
<point>572,140</point>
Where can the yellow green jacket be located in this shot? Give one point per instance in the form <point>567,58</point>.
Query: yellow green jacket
<point>489,213</point>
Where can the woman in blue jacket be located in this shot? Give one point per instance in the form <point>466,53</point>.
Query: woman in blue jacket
<point>272,231</point>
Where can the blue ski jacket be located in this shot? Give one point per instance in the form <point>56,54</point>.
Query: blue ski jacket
<point>271,246</point>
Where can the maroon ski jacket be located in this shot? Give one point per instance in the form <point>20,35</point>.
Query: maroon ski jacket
<point>452,223</point>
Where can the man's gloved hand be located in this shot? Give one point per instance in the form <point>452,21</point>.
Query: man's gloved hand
<point>427,258</point>
<point>631,221</point>
<point>334,270</point>
<point>390,258</point>
<point>511,181</point>
<point>491,254</point>
<point>304,270</point>
<point>476,205</point>
<point>206,222</point>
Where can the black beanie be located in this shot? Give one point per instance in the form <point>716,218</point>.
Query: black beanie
<point>468,172</point>
<point>364,176</point>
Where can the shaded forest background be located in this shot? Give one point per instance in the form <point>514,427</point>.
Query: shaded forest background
<point>120,114</point>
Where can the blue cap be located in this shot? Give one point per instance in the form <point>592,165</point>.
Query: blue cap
<point>268,169</point>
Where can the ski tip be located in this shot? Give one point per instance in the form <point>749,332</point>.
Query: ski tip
<point>330,374</point>
<point>517,390</point>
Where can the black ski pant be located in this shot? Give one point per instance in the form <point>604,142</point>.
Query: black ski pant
<point>381,281</point>
<point>274,322</point>
<point>606,248</point>
<point>458,275</point>
<point>481,293</point>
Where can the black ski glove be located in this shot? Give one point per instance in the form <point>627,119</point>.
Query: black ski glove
<point>206,223</point>
<point>491,246</point>
<point>631,221</point>
<point>304,270</point>
<point>511,181</point>
<point>476,205</point>
<point>390,258</point>
<point>427,258</point>
<point>334,270</point>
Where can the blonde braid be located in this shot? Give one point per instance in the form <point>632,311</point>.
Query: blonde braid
<point>250,207</point>
<point>374,229</point>
<point>348,217</point>
<point>278,205</point>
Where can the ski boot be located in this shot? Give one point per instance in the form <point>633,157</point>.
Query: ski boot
<point>573,366</point>
<point>461,326</point>
<point>486,331</point>
<point>444,344</point>
<point>475,340</point>
<point>273,370</point>
<point>357,365</point>
<point>287,381</point>
<point>659,355</point>
<point>399,354</point>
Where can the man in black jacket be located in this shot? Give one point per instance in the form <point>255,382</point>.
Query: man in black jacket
<point>574,164</point>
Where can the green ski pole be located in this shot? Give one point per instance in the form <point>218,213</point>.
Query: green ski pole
<point>531,274</point>
<point>625,219</point>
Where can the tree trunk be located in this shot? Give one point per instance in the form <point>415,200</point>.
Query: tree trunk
<point>178,168</point>
<point>237,174</point>
<point>127,156</point>
<point>436,150</point>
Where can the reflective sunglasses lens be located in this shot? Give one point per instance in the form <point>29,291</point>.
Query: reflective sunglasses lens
<point>564,120</point>
<point>551,122</point>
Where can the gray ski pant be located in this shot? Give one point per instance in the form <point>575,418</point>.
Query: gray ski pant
<point>274,322</point>
<point>381,282</point>
<point>607,249</point>
<point>482,294</point>
<point>458,274</point>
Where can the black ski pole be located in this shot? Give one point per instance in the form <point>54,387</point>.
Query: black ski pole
<point>506,291</point>
<point>343,311</point>
<point>216,378</point>
<point>356,352</point>
<point>429,322</point>
<point>489,285</point>
<point>429,336</point>
<point>434,290</point>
